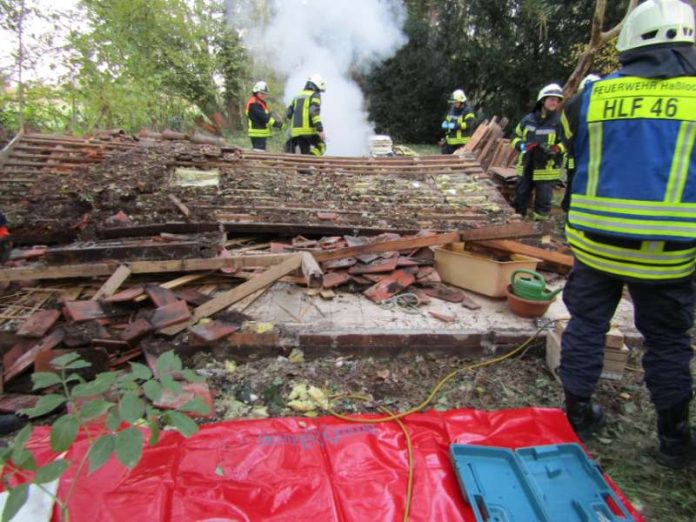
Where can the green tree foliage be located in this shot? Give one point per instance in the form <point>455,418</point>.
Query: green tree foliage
<point>156,56</point>
<point>501,52</point>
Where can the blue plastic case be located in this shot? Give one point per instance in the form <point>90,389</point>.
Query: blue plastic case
<point>540,483</point>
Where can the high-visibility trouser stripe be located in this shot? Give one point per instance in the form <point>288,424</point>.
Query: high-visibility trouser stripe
<point>644,256</point>
<point>680,162</point>
<point>633,207</point>
<point>546,174</point>
<point>259,133</point>
<point>303,131</point>
<point>635,271</point>
<point>638,228</point>
<point>461,140</point>
<point>595,139</point>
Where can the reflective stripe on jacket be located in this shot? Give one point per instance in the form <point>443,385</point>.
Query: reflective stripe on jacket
<point>305,114</point>
<point>259,119</point>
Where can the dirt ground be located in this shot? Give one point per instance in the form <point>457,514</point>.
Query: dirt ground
<point>260,388</point>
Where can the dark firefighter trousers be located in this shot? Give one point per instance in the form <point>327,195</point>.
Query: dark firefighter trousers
<point>664,313</point>
<point>523,193</point>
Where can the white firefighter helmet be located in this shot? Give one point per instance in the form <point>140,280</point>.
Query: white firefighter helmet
<point>318,81</point>
<point>590,78</point>
<point>552,89</point>
<point>261,87</point>
<point>458,96</point>
<point>657,22</point>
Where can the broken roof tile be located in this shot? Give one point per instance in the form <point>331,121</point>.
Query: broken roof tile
<point>389,286</point>
<point>38,324</point>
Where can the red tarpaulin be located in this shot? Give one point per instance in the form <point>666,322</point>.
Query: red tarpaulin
<point>302,469</point>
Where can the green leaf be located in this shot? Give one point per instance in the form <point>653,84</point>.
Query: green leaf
<point>196,405</point>
<point>60,362</point>
<point>113,420</point>
<point>100,452</point>
<point>51,472</point>
<point>101,384</point>
<point>46,404</point>
<point>168,362</point>
<point>94,408</point>
<point>131,407</point>
<point>45,379</point>
<point>154,433</point>
<point>129,446</point>
<point>24,460</point>
<point>153,390</point>
<point>20,440</point>
<point>141,371</point>
<point>15,500</point>
<point>181,422</point>
<point>63,433</point>
<point>77,365</point>
<point>170,384</point>
<point>192,376</point>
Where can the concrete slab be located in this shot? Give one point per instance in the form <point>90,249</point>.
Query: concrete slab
<point>352,323</point>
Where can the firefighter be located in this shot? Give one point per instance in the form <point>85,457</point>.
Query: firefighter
<point>260,121</point>
<point>539,140</point>
<point>458,123</point>
<point>632,220</point>
<point>304,113</point>
<point>570,159</point>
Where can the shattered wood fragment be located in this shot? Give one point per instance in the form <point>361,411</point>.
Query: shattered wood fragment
<point>38,324</point>
<point>213,331</point>
<point>136,331</point>
<point>312,271</point>
<point>27,359</point>
<point>125,295</point>
<point>160,296</point>
<point>385,265</point>
<point>189,391</point>
<point>445,293</point>
<point>78,311</point>
<point>334,279</point>
<point>179,205</point>
<point>554,259</point>
<point>445,318</point>
<point>389,286</point>
<point>176,283</point>
<point>510,230</point>
<point>387,246</point>
<point>113,283</point>
<point>10,356</point>
<point>170,314</point>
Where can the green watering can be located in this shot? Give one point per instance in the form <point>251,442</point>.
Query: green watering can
<point>530,285</point>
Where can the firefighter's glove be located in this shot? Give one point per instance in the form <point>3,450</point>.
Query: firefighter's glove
<point>445,125</point>
<point>552,150</point>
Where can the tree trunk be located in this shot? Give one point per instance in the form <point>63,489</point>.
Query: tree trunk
<point>597,39</point>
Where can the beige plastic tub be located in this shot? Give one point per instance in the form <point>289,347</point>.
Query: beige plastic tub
<point>476,272</point>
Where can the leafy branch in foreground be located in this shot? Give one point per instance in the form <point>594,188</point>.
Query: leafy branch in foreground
<point>111,408</point>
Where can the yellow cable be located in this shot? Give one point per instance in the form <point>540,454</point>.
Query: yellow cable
<point>398,416</point>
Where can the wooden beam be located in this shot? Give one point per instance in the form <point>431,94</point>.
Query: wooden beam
<point>388,246</point>
<point>514,247</point>
<point>176,283</point>
<point>113,283</point>
<point>86,270</point>
<point>178,204</point>
<point>312,271</point>
<point>511,230</point>
<point>230,297</point>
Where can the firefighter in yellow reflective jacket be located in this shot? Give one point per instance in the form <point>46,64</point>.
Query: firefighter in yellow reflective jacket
<point>304,113</point>
<point>632,220</point>
<point>458,124</point>
<point>539,139</point>
<point>259,118</point>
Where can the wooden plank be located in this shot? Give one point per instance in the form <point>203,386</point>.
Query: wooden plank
<point>230,297</point>
<point>112,284</point>
<point>176,283</point>
<point>511,230</point>
<point>314,276</point>
<point>178,204</point>
<point>515,247</point>
<point>388,246</point>
<point>85,270</point>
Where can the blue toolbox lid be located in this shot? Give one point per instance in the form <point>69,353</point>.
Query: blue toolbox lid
<point>557,482</point>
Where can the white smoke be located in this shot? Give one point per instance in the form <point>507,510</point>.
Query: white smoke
<point>330,38</point>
